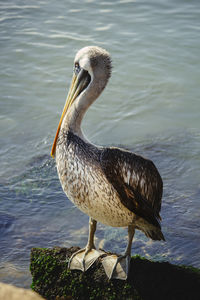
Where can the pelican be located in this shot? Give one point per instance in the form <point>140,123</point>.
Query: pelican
<point>111,185</point>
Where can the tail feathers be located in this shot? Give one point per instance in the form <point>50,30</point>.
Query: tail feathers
<point>154,233</point>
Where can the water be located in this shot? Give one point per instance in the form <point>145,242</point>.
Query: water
<point>150,106</point>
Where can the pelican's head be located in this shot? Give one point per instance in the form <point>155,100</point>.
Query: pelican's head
<point>92,69</point>
<point>95,62</point>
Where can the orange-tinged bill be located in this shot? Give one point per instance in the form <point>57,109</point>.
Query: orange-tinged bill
<point>70,98</point>
<point>79,83</point>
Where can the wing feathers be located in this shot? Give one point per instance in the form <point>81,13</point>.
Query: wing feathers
<point>136,180</point>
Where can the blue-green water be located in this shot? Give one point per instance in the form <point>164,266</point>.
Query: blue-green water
<point>151,106</point>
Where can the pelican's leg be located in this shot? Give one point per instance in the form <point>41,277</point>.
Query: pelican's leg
<point>117,267</point>
<point>84,258</point>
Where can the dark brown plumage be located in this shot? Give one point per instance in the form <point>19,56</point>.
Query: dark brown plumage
<point>141,190</point>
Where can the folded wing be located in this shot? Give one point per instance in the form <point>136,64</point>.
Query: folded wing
<point>136,180</point>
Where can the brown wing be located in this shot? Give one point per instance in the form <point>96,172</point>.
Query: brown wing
<point>136,180</point>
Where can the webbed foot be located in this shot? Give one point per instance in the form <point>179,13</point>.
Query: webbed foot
<point>83,259</point>
<point>116,267</point>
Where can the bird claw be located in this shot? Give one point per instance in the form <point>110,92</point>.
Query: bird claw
<point>116,267</point>
<point>83,259</point>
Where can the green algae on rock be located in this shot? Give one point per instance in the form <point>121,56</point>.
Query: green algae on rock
<point>147,280</point>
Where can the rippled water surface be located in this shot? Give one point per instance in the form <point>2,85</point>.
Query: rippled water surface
<point>150,106</point>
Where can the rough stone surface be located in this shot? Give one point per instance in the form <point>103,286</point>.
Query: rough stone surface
<point>147,279</point>
<point>10,292</point>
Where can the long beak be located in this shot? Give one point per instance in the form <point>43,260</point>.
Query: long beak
<point>78,84</point>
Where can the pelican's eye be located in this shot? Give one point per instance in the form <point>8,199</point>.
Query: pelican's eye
<point>76,68</point>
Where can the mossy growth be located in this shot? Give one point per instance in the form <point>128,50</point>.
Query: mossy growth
<point>147,280</point>
<point>53,280</point>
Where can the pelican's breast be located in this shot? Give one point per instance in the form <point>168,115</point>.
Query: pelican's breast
<point>85,184</point>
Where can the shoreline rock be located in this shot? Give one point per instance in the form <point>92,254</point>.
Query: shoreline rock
<point>11,292</point>
<point>147,279</point>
